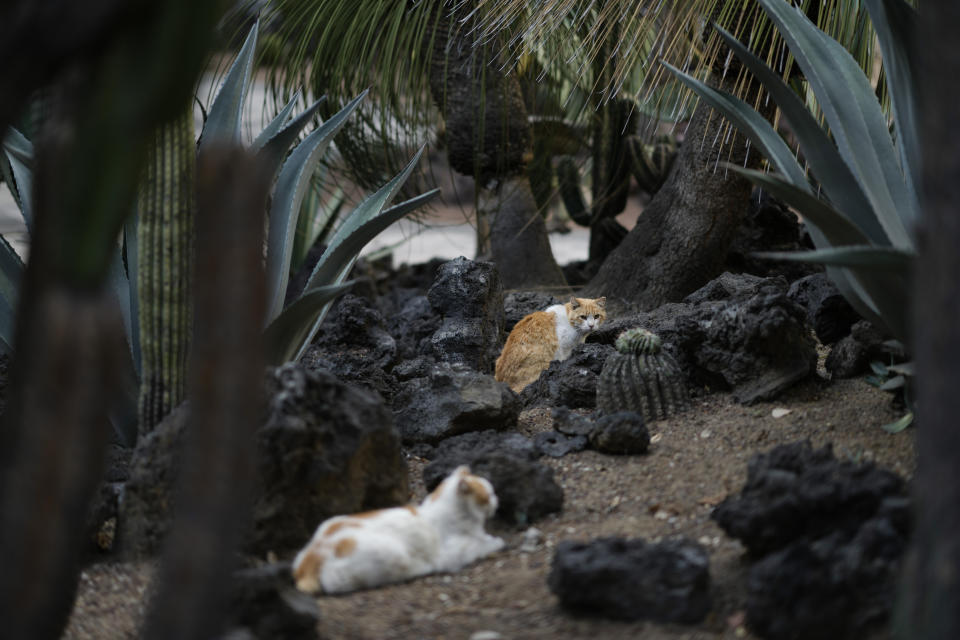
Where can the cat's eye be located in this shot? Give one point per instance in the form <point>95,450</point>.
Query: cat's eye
<point>596,316</point>
<point>582,317</point>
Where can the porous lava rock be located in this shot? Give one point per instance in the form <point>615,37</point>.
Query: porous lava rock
<point>795,491</point>
<point>326,448</point>
<point>759,345</point>
<point>852,355</point>
<point>444,400</point>
<point>525,488</point>
<point>519,304</point>
<point>468,296</point>
<point>828,312</point>
<point>826,537</point>
<point>633,579</point>
<point>569,383</point>
<point>623,432</point>
<point>263,602</point>
<point>354,345</point>
<point>557,445</point>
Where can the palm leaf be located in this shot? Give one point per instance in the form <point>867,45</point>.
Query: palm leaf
<point>19,152</point>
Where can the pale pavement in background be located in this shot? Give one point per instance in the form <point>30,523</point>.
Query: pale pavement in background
<point>413,243</point>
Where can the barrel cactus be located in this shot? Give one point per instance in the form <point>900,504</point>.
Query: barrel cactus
<point>641,377</point>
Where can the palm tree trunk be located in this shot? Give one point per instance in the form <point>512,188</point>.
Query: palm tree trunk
<point>488,137</point>
<point>681,240</point>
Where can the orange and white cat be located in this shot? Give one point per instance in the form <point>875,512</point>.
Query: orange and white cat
<point>444,533</point>
<point>547,335</point>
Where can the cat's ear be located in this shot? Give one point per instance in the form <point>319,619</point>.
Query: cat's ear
<point>602,302</point>
<point>463,487</point>
<point>574,303</point>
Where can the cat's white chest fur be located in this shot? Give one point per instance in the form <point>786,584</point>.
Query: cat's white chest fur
<point>568,336</point>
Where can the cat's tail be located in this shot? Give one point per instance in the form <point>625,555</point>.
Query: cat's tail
<point>307,568</point>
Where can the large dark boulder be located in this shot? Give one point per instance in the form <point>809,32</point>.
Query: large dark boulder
<point>795,491</point>
<point>519,304</point>
<point>468,296</point>
<point>525,488</point>
<point>833,587</point>
<point>326,448</point>
<point>443,400</point>
<point>633,579</point>
<point>759,345</point>
<point>264,602</point>
<point>739,332</point>
<point>828,312</point>
<point>354,345</point>
<point>569,383</point>
<point>827,537</point>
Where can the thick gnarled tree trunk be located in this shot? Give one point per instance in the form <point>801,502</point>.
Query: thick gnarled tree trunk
<point>681,240</point>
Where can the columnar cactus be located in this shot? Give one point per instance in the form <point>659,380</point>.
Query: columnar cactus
<point>165,235</point>
<point>642,378</point>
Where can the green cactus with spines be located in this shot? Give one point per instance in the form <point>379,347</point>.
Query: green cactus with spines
<point>642,378</point>
<point>165,210</point>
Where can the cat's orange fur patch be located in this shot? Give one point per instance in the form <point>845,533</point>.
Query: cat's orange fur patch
<point>345,546</point>
<point>533,342</point>
<point>367,514</point>
<point>342,524</point>
<point>412,509</point>
<point>478,490</point>
<point>307,574</point>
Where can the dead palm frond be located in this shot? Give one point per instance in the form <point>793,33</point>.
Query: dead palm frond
<point>580,53</point>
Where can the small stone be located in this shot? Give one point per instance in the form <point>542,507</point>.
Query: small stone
<point>779,412</point>
<point>485,635</point>
<point>705,434</point>
<point>532,538</point>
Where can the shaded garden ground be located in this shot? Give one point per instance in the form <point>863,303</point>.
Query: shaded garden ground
<point>695,460</point>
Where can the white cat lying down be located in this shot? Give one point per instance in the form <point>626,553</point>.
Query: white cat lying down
<point>444,534</point>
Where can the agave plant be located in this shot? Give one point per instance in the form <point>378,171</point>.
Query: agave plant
<point>289,330</point>
<point>862,210</point>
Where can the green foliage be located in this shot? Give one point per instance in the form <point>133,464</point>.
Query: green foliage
<point>290,330</point>
<point>576,52</point>
<point>863,227</point>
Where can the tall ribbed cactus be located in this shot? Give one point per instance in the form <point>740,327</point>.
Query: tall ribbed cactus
<point>641,377</point>
<point>165,210</point>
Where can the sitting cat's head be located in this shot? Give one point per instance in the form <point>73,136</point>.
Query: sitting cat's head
<point>586,314</point>
<point>472,493</point>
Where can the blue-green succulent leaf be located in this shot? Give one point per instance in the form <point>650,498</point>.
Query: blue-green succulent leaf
<point>292,185</point>
<point>223,121</point>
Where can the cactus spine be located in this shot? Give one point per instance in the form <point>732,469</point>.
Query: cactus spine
<point>165,209</point>
<point>641,377</point>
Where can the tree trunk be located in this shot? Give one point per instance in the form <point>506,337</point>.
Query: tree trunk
<point>164,235</point>
<point>488,137</point>
<point>681,240</point>
<point>929,606</point>
<point>518,242</point>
